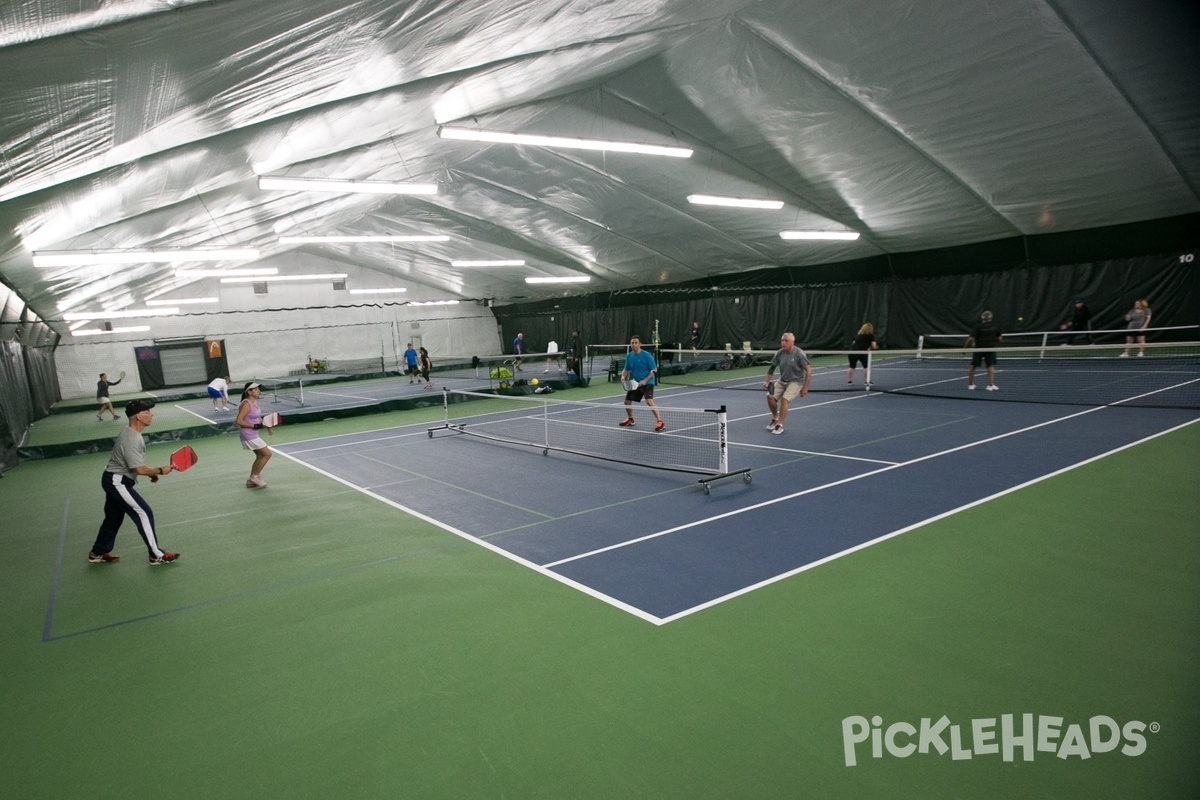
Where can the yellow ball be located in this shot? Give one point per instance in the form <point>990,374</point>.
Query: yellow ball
<point>533,382</point>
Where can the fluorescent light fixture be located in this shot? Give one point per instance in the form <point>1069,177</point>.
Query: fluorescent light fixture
<point>124,314</point>
<point>434,303</point>
<point>324,276</point>
<point>377,291</point>
<point>572,279</point>
<point>499,262</point>
<point>183,301</point>
<point>92,258</point>
<point>345,187</point>
<point>225,273</point>
<point>734,202</point>
<point>361,239</point>
<point>839,236</point>
<point>570,143</point>
<point>99,331</point>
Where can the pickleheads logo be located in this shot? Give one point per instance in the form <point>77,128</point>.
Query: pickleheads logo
<point>1028,735</point>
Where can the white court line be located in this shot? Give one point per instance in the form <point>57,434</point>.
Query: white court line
<point>612,601</point>
<point>814,489</point>
<point>746,590</point>
<point>547,569</point>
<point>744,445</point>
<point>323,393</point>
<point>194,414</point>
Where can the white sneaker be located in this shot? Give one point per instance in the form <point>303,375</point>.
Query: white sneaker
<point>1124,355</point>
<point>258,481</point>
<point>971,386</point>
<point>777,430</point>
<point>771,425</point>
<point>991,387</point>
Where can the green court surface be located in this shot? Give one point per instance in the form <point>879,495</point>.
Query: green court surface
<point>313,642</point>
<point>59,429</point>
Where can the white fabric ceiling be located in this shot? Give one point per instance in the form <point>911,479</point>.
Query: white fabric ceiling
<point>139,123</point>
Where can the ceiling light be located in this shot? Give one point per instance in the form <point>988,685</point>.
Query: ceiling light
<point>225,273</point>
<point>358,239</point>
<point>572,279</point>
<point>735,202</point>
<point>125,314</point>
<point>433,303</point>
<point>183,301</point>
<point>98,331</point>
<point>91,258</point>
<point>347,187</point>
<point>841,236</point>
<point>324,276</point>
<point>493,263</point>
<point>474,135</point>
<point>376,291</point>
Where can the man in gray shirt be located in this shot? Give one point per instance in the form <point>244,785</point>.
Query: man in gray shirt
<point>125,464</point>
<point>795,372</point>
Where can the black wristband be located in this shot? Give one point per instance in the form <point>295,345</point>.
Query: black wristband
<point>257,426</point>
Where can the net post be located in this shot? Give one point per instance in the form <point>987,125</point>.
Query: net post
<point>867,370</point>
<point>920,345</point>
<point>1045,340</point>
<point>723,440</point>
<point>445,406</point>
<point>301,390</point>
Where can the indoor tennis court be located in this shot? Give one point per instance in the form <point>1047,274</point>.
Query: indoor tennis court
<point>489,585</point>
<point>793,508</point>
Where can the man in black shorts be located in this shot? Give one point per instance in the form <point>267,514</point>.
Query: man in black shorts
<point>983,336</point>
<point>640,368</point>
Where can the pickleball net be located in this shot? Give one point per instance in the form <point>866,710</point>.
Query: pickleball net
<point>1158,375</point>
<point>693,441</point>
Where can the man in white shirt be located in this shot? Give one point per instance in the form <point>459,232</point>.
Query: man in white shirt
<point>218,390</point>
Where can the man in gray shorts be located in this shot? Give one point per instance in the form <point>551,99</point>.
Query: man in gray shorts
<point>795,372</point>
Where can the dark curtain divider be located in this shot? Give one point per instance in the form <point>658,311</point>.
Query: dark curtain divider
<point>1042,298</point>
<point>42,371</point>
<point>16,411</point>
<point>902,310</point>
<point>28,378</point>
<point>150,371</point>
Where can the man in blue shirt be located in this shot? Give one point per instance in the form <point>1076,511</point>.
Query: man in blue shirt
<point>640,368</point>
<point>518,351</point>
<point>410,361</point>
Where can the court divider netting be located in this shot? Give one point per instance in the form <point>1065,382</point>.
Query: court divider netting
<point>1154,375</point>
<point>693,441</point>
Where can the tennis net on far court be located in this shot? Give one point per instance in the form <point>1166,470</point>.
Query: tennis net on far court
<point>284,390</point>
<point>1158,375</point>
<point>693,440</point>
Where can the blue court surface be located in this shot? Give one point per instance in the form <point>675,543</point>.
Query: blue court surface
<point>851,470</point>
